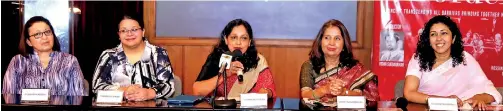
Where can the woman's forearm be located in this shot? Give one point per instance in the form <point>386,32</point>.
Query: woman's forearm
<point>313,94</point>
<point>307,94</point>
<point>204,87</point>
<point>416,97</point>
<point>351,93</point>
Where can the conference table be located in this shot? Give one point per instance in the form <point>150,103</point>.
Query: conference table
<point>56,103</point>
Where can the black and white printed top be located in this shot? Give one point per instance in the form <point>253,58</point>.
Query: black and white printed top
<point>152,71</point>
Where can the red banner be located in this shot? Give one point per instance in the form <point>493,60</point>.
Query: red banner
<point>396,28</point>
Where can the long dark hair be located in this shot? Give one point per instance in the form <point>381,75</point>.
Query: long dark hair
<point>249,59</point>
<point>317,56</point>
<point>24,48</point>
<point>426,54</point>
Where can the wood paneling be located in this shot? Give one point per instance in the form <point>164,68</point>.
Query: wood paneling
<point>285,64</point>
<point>265,51</point>
<point>284,57</point>
<point>194,58</point>
<point>149,19</point>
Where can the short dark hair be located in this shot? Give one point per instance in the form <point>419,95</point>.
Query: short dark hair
<point>317,56</point>
<point>425,53</point>
<point>24,49</point>
<point>133,16</point>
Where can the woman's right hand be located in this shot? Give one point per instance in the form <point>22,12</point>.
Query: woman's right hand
<point>336,86</point>
<point>234,68</point>
<point>128,89</point>
<point>124,89</point>
<point>323,90</point>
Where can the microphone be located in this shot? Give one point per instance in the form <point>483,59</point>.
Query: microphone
<point>225,60</point>
<point>402,103</point>
<point>237,55</point>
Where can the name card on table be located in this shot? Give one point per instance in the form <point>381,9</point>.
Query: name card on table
<point>442,104</point>
<point>109,96</point>
<point>351,102</point>
<point>253,100</point>
<point>34,94</point>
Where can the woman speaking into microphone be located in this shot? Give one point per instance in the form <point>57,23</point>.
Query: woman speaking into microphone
<point>237,36</point>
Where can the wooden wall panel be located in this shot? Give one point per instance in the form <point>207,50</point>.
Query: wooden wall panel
<point>149,15</point>
<point>194,58</point>
<point>285,65</point>
<point>363,55</point>
<point>264,50</point>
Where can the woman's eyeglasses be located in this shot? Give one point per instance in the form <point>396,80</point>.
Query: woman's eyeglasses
<point>127,31</point>
<point>39,34</point>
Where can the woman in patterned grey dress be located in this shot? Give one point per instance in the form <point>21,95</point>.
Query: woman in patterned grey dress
<point>41,65</point>
<point>135,66</point>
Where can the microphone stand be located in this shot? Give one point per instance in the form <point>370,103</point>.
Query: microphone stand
<point>226,103</point>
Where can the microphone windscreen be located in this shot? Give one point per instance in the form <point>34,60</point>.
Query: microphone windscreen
<point>402,103</point>
<point>237,53</point>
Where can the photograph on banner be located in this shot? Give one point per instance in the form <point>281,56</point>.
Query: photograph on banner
<point>392,49</point>
<point>480,23</point>
<point>482,39</point>
<point>498,44</point>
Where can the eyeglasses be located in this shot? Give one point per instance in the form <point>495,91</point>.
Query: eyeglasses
<point>134,30</point>
<point>39,34</point>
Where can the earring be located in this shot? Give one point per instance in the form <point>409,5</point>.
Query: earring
<point>454,39</point>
